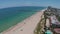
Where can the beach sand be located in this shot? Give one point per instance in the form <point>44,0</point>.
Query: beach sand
<point>27,26</point>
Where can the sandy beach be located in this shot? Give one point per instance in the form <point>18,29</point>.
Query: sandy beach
<point>27,26</point>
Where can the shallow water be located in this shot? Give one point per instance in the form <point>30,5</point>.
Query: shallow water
<point>11,16</point>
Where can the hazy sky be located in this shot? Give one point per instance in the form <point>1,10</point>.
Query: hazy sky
<point>13,3</point>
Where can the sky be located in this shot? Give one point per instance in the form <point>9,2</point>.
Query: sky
<point>15,3</point>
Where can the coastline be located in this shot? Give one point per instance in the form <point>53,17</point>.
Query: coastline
<point>24,23</point>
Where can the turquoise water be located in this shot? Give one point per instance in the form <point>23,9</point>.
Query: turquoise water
<point>13,15</point>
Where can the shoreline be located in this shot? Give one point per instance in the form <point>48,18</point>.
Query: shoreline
<point>22,24</point>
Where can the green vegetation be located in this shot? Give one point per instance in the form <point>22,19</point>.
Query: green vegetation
<point>40,27</point>
<point>47,14</point>
<point>58,18</point>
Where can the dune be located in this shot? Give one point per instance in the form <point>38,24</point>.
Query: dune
<point>27,26</point>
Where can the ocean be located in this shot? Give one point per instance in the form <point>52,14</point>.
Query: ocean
<point>13,15</point>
